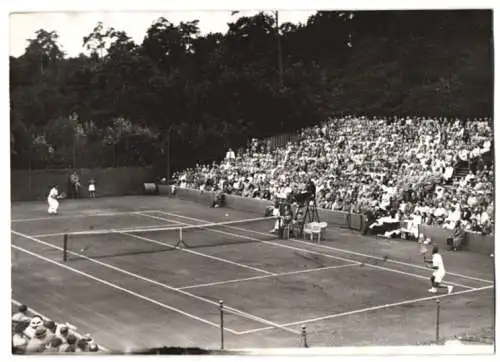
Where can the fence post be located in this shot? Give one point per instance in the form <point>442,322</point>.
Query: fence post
<point>303,334</point>
<point>65,247</point>
<point>437,320</point>
<point>221,308</point>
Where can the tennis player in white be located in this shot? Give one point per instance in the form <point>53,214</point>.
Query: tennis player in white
<point>439,272</point>
<point>53,200</point>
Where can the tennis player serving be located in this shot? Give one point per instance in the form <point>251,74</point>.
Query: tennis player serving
<point>439,272</point>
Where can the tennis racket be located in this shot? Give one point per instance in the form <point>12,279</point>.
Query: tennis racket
<point>61,196</point>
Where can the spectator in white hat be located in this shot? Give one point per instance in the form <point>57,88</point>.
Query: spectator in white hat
<point>35,322</point>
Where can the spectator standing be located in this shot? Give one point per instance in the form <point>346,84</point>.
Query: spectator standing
<point>92,188</point>
<point>230,156</point>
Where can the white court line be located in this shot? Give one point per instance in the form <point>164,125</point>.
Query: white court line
<point>370,309</point>
<point>56,217</point>
<point>105,282</point>
<point>335,249</point>
<point>168,287</point>
<point>199,254</point>
<point>140,213</point>
<point>77,334</point>
<point>418,276</point>
<point>332,248</point>
<point>303,271</point>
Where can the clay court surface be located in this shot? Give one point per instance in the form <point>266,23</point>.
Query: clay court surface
<point>132,290</point>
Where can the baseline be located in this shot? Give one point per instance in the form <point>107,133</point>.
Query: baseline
<point>77,216</point>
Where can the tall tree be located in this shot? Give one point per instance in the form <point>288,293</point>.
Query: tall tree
<point>212,91</point>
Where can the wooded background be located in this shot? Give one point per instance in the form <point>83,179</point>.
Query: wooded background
<point>122,104</point>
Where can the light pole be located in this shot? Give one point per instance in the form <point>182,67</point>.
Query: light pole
<point>278,40</point>
<point>168,153</point>
<point>280,54</point>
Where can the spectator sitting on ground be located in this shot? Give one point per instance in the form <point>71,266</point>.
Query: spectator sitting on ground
<point>54,346</point>
<point>35,322</point>
<point>39,341</point>
<point>63,332</point>
<point>219,200</point>
<point>51,326</point>
<point>82,345</point>
<point>69,345</point>
<point>19,340</point>
<point>39,336</point>
<point>92,346</point>
<point>21,317</point>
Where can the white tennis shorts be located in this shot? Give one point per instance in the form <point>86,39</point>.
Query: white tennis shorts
<point>91,188</point>
<point>438,276</point>
<point>53,205</point>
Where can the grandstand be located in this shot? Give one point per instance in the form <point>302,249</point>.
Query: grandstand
<point>440,171</point>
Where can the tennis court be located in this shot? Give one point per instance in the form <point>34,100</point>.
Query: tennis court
<point>132,288</point>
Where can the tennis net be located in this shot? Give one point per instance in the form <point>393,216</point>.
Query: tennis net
<point>120,242</point>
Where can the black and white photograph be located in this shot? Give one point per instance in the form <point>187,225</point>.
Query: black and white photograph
<point>252,182</point>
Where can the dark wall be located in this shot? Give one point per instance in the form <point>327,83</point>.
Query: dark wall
<point>35,185</point>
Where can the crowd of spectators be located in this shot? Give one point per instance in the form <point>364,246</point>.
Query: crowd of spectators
<point>359,164</point>
<point>34,335</point>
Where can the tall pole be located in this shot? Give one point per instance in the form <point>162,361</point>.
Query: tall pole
<point>168,155</point>
<point>437,320</point>
<point>74,154</point>
<point>304,337</point>
<point>221,309</point>
<point>280,56</point>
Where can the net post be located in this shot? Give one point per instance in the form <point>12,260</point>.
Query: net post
<point>438,302</point>
<point>65,247</point>
<point>303,335</point>
<point>221,309</point>
<point>179,242</point>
